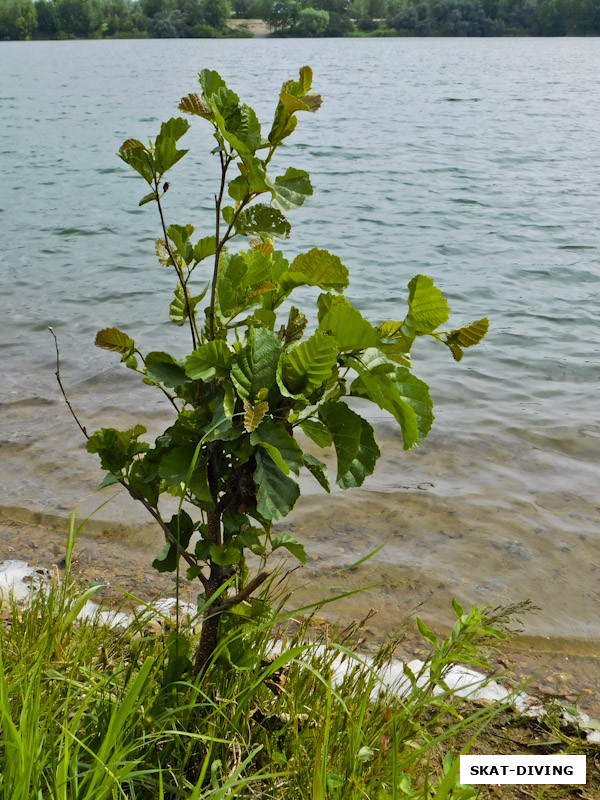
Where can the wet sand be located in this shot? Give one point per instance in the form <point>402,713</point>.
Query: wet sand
<point>569,669</point>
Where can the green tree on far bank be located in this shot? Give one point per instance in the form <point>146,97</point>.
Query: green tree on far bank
<point>86,19</point>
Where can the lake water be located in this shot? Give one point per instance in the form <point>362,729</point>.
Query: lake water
<point>472,161</point>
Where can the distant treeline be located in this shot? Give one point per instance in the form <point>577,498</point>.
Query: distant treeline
<point>86,19</point>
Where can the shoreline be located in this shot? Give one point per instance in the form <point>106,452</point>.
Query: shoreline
<point>549,671</point>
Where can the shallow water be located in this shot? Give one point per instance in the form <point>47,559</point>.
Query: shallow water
<point>472,161</point>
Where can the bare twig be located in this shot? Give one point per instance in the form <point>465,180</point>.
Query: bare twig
<point>179,272</point>
<point>245,593</point>
<point>62,388</point>
<point>225,162</point>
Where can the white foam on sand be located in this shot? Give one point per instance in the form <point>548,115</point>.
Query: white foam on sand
<point>19,580</point>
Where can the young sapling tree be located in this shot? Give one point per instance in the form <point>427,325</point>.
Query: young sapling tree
<point>252,380</point>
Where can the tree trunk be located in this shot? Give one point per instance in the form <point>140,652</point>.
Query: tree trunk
<point>209,636</point>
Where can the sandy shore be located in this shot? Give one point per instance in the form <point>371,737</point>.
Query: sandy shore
<point>257,27</point>
<point>551,671</point>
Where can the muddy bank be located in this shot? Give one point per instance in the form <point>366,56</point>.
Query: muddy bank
<point>569,669</point>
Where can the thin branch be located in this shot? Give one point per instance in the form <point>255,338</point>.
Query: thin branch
<point>225,162</point>
<point>177,270</point>
<point>169,536</point>
<point>62,388</point>
<point>242,595</point>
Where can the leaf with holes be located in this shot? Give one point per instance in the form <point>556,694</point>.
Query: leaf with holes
<point>263,220</point>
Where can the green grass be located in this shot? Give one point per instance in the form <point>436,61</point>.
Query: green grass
<point>89,713</point>
<point>92,713</point>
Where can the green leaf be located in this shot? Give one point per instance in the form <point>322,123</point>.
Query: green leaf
<point>180,236</point>
<point>178,310</point>
<point>181,527</point>
<point>400,335</point>
<point>318,469</point>
<point>231,284</point>
<point>163,368</point>
<point>269,433</point>
<point>344,426</point>
<point>290,543</point>
<point>115,340</point>
<point>316,268</point>
<point>293,98</point>
<point>350,329</point>
<point>211,82</point>
<point>205,248</point>
<point>307,366</point>
<point>148,198</point>
<point>222,427</point>
<point>425,632</point>
<point>291,189</point>
<point>109,480</point>
<point>262,220</point>
<point>278,459</point>
<point>139,159</point>
<point>363,464</point>
<point>225,555</point>
<point>175,128</point>
<point>238,188</point>
<point>210,360</point>
<point>428,308</point>
<point>276,494</point>
<point>458,609</point>
<point>467,336</point>
<point>396,350</point>
<point>397,390</point>
<point>175,466</point>
<point>166,154</point>
<point>316,431</point>
<point>354,443</point>
<point>248,132</point>
<point>117,448</point>
<point>228,214</point>
<point>255,366</point>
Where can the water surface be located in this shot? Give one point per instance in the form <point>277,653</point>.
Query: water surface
<point>472,161</point>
